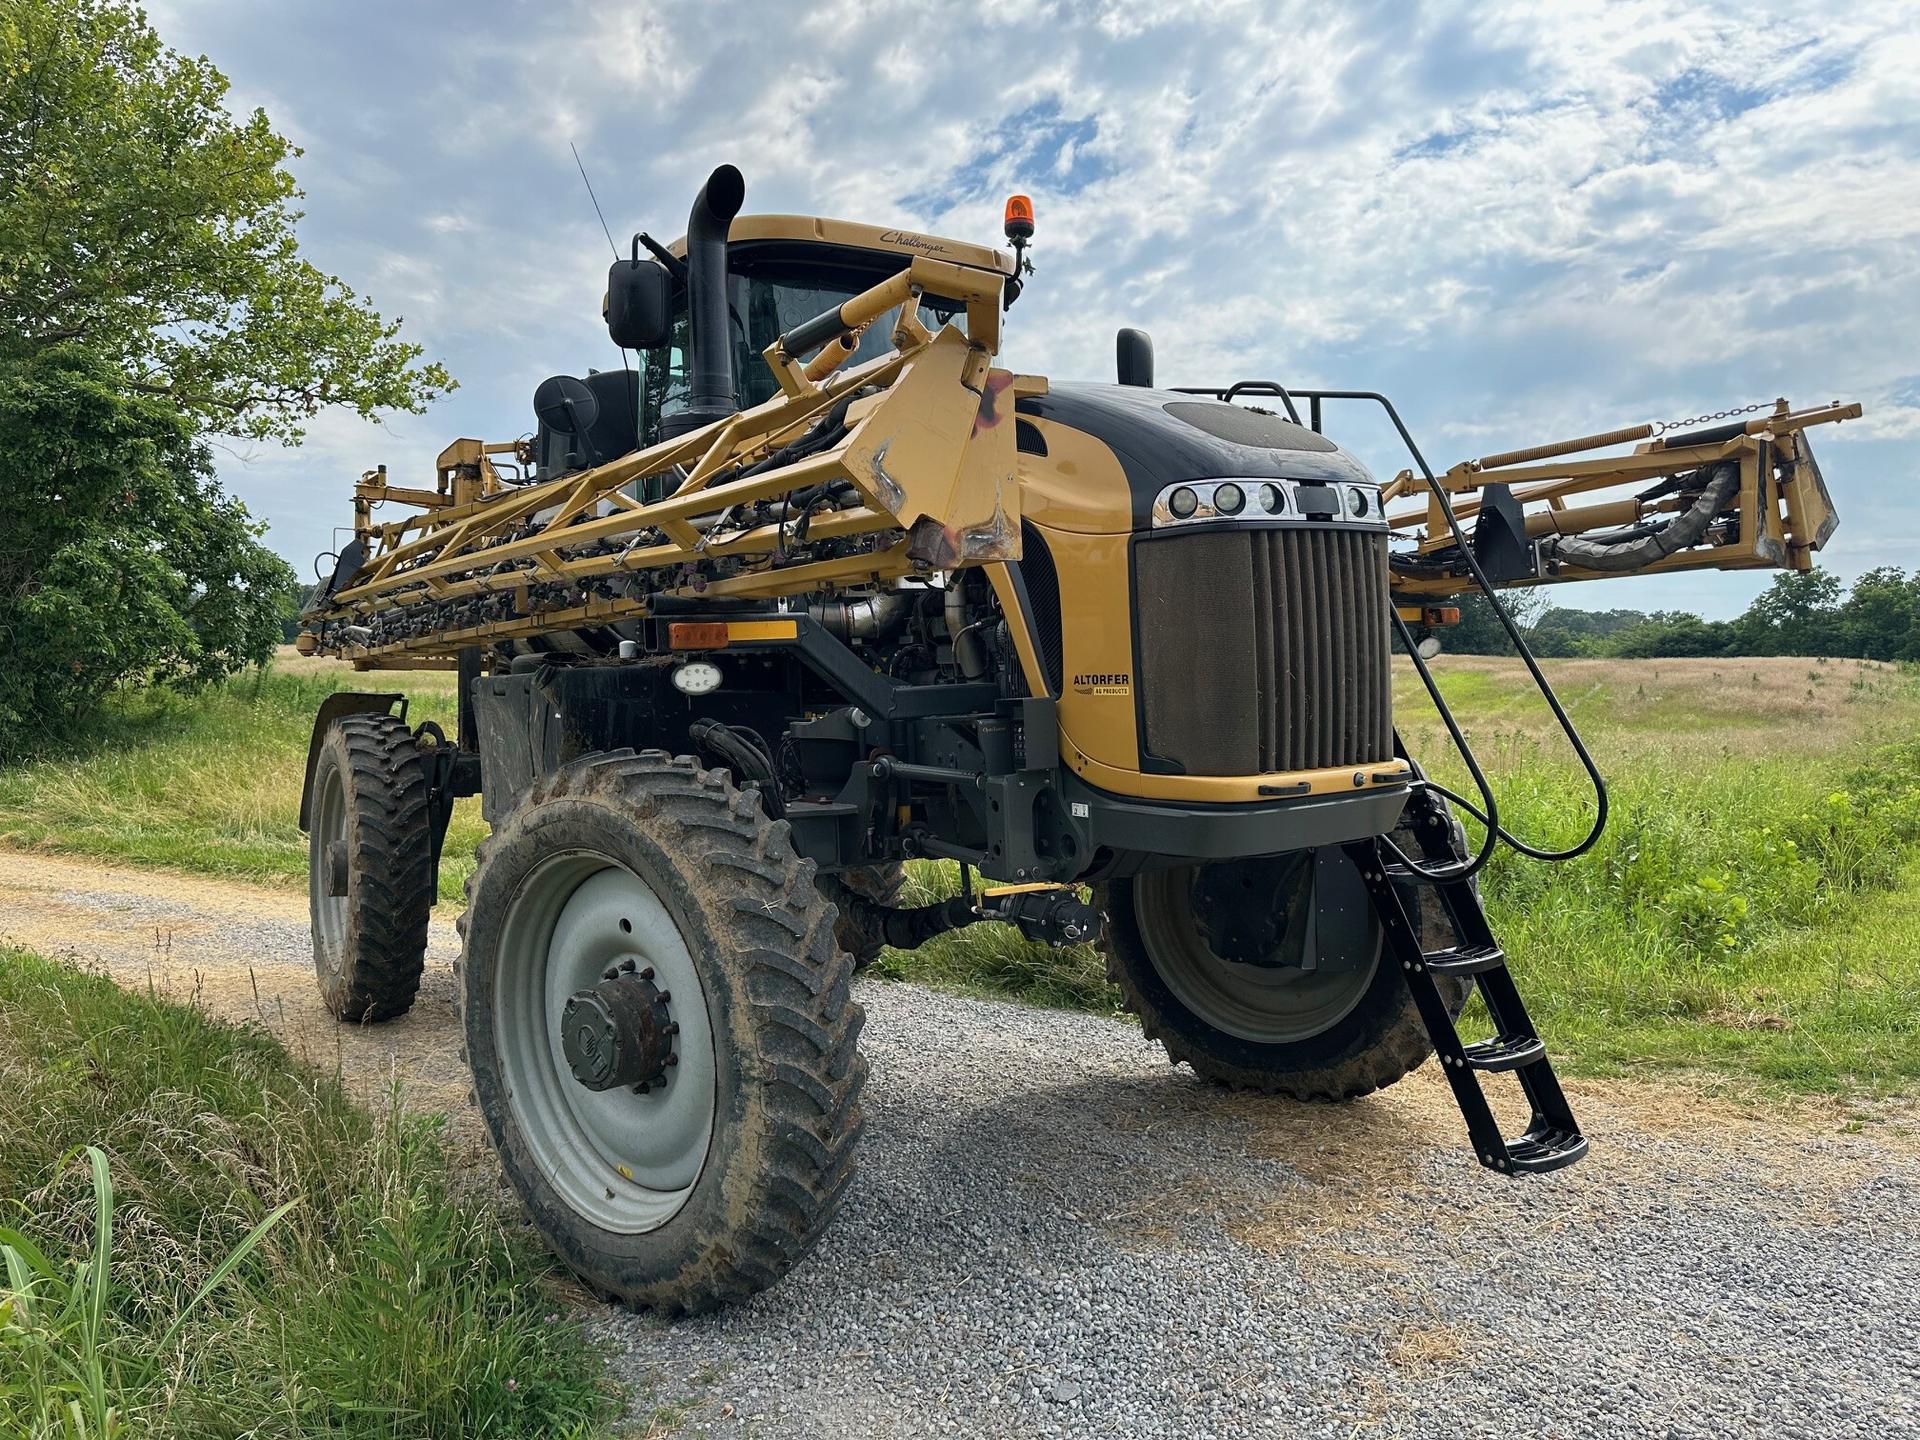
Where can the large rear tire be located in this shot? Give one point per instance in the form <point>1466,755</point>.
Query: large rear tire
<point>713,1178</point>
<point>369,867</point>
<point>1333,1034</point>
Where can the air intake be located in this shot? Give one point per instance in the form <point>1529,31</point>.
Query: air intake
<point>1264,650</point>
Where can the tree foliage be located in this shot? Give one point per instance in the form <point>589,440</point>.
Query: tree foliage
<point>139,217</point>
<point>1800,613</point>
<point>121,560</point>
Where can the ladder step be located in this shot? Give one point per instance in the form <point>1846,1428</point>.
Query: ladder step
<point>1546,1147</point>
<point>1505,1052</point>
<point>1466,960</point>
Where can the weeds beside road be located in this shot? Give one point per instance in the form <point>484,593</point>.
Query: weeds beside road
<point>384,1301</point>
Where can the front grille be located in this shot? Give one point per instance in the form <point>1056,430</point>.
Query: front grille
<point>1264,649</point>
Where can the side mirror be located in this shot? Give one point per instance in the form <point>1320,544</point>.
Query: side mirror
<point>1133,355</point>
<point>639,309</point>
<point>566,405</point>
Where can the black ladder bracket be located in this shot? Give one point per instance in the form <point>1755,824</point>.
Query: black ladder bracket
<point>1552,1138</point>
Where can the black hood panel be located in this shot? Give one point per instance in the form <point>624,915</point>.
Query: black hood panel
<point>1162,437</point>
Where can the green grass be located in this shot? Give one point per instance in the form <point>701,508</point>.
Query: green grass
<point>209,783</point>
<point>1751,907</point>
<point>365,1296</point>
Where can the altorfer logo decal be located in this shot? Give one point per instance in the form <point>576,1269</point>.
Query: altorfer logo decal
<point>1118,684</point>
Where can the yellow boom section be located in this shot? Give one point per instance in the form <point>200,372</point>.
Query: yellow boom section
<point>913,452</point>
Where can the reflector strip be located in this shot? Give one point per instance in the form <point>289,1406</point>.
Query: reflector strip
<point>763,629</point>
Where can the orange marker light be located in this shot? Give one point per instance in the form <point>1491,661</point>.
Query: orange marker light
<point>697,635</point>
<point>1019,218</point>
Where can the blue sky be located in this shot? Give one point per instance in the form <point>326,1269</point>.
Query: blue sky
<point>1522,221</point>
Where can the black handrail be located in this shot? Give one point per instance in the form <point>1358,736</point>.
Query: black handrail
<point>1491,819</point>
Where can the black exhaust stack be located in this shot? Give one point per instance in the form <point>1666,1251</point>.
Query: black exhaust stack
<point>710,391</point>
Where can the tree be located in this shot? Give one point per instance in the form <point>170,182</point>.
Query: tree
<point>1881,617</point>
<point>121,559</point>
<point>139,218</point>
<point>1671,632</point>
<point>1480,631</point>
<point>1798,614</point>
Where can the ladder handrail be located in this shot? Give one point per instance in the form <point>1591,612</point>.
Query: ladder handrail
<point>1495,831</point>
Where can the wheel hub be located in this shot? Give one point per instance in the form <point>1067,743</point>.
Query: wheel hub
<point>621,1031</point>
<point>1256,911</point>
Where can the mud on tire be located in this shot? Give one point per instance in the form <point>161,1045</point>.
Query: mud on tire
<point>369,800</point>
<point>756,937</point>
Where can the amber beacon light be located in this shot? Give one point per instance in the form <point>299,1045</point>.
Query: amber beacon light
<point>1019,222</point>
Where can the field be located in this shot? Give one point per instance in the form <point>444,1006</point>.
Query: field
<point>1753,909</point>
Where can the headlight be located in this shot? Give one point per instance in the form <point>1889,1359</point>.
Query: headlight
<point>1228,499</point>
<point>1272,499</point>
<point>696,677</point>
<point>1183,502</point>
<point>1357,498</point>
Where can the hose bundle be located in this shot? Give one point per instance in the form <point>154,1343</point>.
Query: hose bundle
<point>1644,545</point>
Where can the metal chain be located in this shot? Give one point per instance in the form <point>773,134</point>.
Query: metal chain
<point>1660,427</point>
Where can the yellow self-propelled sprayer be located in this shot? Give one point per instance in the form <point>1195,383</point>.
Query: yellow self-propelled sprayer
<point>815,589</point>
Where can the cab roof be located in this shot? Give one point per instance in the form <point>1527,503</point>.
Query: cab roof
<point>850,234</point>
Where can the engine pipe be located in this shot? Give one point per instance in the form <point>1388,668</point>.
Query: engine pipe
<point>711,394</point>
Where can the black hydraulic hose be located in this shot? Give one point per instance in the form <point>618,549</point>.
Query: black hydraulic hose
<point>1631,551</point>
<point>752,762</point>
<point>1560,715</point>
<point>910,928</point>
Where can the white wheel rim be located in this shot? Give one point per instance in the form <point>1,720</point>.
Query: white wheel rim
<point>327,827</point>
<point>624,1161</point>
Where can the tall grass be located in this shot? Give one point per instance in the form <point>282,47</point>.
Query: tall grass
<point>336,1280</point>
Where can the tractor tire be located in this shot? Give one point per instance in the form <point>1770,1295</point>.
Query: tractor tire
<point>879,884</point>
<point>707,1181</point>
<point>1278,1032</point>
<point>369,868</point>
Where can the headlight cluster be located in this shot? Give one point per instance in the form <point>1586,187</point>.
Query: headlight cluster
<point>1203,500</point>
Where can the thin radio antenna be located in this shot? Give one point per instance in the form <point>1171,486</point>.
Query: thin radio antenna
<point>633,383</point>
<point>595,199</point>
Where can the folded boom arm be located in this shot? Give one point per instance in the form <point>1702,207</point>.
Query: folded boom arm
<point>1745,495</point>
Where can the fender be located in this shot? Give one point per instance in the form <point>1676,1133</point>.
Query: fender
<point>335,707</point>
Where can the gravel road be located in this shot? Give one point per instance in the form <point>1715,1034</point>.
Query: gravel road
<point>1056,1234</point>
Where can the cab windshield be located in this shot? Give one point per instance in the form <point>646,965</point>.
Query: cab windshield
<point>766,301</point>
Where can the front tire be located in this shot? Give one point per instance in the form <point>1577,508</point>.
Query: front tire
<point>369,868</point>
<point>712,1183</point>
<point>883,885</point>
<point>1332,1035</point>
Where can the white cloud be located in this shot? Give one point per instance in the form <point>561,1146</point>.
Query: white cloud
<point>1523,219</point>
